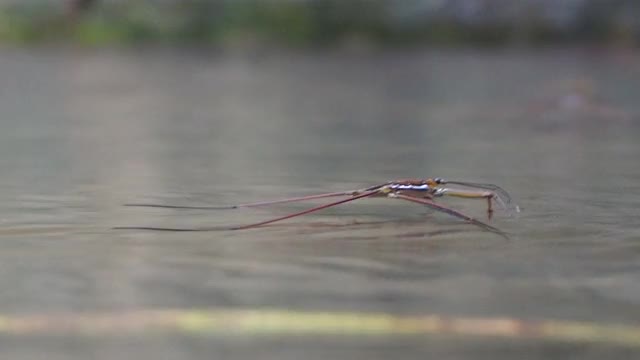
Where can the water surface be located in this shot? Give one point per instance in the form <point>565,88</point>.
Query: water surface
<point>83,132</point>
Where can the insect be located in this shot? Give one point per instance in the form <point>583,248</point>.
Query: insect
<point>420,191</point>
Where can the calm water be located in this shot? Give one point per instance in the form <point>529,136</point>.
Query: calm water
<point>82,133</point>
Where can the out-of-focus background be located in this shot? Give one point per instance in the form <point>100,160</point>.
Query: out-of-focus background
<point>204,103</point>
<point>323,22</point>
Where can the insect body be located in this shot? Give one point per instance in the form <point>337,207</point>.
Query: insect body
<point>420,191</point>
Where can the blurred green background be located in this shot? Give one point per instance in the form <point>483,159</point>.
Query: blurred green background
<point>321,22</point>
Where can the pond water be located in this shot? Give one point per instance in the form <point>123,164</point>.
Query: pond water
<point>85,131</point>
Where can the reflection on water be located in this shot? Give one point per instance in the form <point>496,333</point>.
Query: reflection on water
<point>83,133</point>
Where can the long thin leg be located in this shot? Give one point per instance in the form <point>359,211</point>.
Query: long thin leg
<point>151,228</point>
<point>355,197</point>
<point>471,194</point>
<point>502,197</point>
<point>183,207</point>
<point>451,212</point>
<point>317,208</point>
<point>248,205</point>
<point>495,188</point>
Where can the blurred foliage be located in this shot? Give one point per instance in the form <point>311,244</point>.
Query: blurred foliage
<point>321,22</point>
